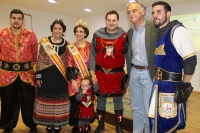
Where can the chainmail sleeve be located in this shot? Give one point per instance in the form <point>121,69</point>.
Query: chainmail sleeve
<point>93,53</point>
<point>189,65</point>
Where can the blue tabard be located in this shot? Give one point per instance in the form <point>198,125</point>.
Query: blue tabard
<point>169,116</point>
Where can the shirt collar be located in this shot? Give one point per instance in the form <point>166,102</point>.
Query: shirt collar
<point>142,26</point>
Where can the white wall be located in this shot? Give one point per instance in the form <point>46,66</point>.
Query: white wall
<point>43,20</point>
<point>96,22</point>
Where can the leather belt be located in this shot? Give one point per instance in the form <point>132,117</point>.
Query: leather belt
<point>161,74</point>
<point>141,67</point>
<point>109,70</point>
<point>16,66</point>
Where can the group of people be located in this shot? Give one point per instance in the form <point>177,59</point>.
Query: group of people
<point>67,76</point>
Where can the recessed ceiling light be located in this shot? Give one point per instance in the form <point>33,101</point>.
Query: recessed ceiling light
<point>88,10</point>
<point>52,1</point>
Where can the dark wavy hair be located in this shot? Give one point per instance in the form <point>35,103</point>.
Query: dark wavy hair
<point>58,21</point>
<point>112,12</point>
<point>16,11</point>
<point>86,30</point>
<point>167,7</point>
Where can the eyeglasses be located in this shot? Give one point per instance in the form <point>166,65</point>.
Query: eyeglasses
<point>85,86</point>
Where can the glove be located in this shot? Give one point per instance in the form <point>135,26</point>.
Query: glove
<point>183,91</point>
<point>70,74</point>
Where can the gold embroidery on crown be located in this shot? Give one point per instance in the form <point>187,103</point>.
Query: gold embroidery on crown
<point>82,23</point>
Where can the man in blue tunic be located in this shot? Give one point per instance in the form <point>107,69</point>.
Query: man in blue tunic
<point>174,52</point>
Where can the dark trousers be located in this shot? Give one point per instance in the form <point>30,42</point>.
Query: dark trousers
<point>74,106</point>
<point>12,96</point>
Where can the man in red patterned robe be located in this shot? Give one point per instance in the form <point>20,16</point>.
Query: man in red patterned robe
<point>18,55</point>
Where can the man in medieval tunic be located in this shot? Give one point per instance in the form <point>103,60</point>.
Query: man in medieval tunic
<point>107,59</point>
<point>174,52</point>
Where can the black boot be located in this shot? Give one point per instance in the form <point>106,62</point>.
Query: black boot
<point>86,128</point>
<point>118,116</point>
<point>74,129</point>
<point>33,130</point>
<point>57,129</point>
<point>7,130</point>
<point>89,128</point>
<point>80,129</point>
<point>49,129</point>
<point>100,115</point>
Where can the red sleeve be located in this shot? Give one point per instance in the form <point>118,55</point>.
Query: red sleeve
<point>34,43</point>
<point>70,59</point>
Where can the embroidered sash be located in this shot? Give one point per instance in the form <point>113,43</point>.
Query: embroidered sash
<point>79,60</point>
<point>54,56</point>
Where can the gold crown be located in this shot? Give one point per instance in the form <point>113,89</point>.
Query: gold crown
<point>82,23</point>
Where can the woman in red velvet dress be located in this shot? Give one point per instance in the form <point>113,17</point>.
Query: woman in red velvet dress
<point>75,63</point>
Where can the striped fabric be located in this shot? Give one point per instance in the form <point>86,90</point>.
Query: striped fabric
<point>51,111</point>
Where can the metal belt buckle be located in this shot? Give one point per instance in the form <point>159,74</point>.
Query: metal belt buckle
<point>158,74</point>
<point>16,66</point>
<point>106,70</point>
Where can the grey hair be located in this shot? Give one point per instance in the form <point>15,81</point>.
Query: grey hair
<point>142,7</point>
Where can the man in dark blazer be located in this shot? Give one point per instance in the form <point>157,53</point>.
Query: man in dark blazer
<point>140,64</point>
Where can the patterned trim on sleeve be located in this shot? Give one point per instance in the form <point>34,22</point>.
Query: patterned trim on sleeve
<point>189,55</point>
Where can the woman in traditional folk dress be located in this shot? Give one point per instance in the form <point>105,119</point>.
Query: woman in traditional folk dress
<point>52,102</point>
<point>77,67</point>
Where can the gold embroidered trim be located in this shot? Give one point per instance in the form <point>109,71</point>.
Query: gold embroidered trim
<point>92,72</point>
<point>87,104</point>
<point>167,105</point>
<point>182,105</point>
<point>156,110</point>
<point>160,50</point>
<point>189,55</point>
<point>79,60</point>
<point>179,121</point>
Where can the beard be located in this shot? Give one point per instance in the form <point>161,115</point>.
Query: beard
<point>160,22</point>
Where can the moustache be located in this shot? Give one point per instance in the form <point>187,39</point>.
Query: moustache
<point>155,19</point>
<point>16,23</point>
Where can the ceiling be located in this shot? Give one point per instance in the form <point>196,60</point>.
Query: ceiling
<point>75,8</point>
